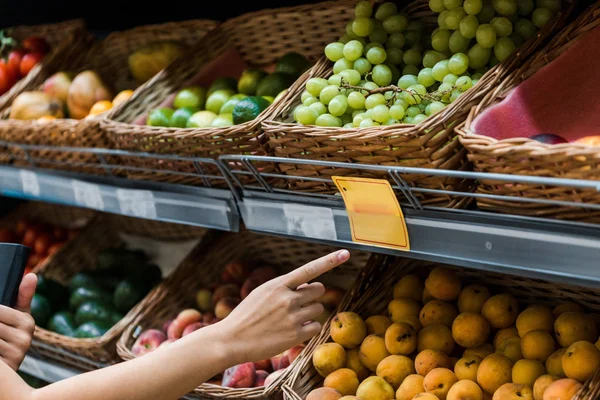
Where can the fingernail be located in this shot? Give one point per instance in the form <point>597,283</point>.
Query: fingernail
<point>343,255</point>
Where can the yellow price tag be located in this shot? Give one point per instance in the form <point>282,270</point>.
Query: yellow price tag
<point>376,218</point>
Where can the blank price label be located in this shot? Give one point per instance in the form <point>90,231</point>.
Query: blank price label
<point>87,195</point>
<point>29,182</point>
<point>310,221</point>
<point>137,203</point>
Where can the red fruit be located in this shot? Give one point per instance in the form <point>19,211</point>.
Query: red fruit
<point>294,352</point>
<point>208,317</point>
<point>235,272</point>
<point>36,44</point>
<point>55,248</point>
<point>280,361</point>
<point>14,62</point>
<point>42,244</point>
<point>549,138</point>
<point>175,330</point>
<point>165,325</point>
<point>194,326</point>
<point>7,236</point>
<point>29,237</point>
<point>261,376</point>
<point>264,274</point>
<point>227,290</point>
<point>148,341</point>
<point>240,376</point>
<point>264,365</point>
<point>59,233</point>
<point>33,260</point>
<point>29,61</point>
<point>7,79</point>
<point>21,227</point>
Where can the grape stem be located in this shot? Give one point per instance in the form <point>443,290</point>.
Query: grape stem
<point>433,96</point>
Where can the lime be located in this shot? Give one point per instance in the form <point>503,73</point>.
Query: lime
<point>180,117</point>
<point>201,119</point>
<point>223,83</point>
<point>217,99</point>
<point>239,96</point>
<point>292,63</point>
<point>160,117</point>
<point>270,99</point>
<point>229,105</point>
<point>249,81</point>
<point>248,109</point>
<point>222,120</point>
<point>194,97</point>
<point>272,84</point>
<point>281,94</point>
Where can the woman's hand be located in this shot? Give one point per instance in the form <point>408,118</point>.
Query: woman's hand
<point>281,313</point>
<point>17,326</point>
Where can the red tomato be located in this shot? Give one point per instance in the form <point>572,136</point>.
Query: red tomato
<point>30,236</point>
<point>7,236</point>
<point>59,233</point>
<point>42,243</point>
<point>7,79</point>
<point>36,44</point>
<point>21,227</point>
<point>14,62</point>
<point>29,61</point>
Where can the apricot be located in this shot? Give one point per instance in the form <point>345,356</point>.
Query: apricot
<point>540,386</point>
<point>535,318</point>
<point>439,381</point>
<point>430,359</point>
<point>343,380</point>
<point>426,396</point>
<point>348,329</point>
<point>436,337</point>
<point>493,372</point>
<point>525,372</point>
<point>466,368</point>
<point>377,324</point>
<point>349,398</point>
<point>409,286</point>
<point>225,306</point>
<point>554,363</point>
<point>565,307</point>
<point>465,390</point>
<point>413,320</point>
<point>470,330</point>
<point>537,345</point>
<point>372,351</point>
<point>443,284</point>
<point>511,348</point>
<point>501,310</point>
<point>353,362</point>
<point>328,357</point>
<point>324,393</point>
<point>581,360</point>
<point>472,298</point>
<point>562,389</point>
<point>513,391</point>
<point>427,297</point>
<point>375,388</point>
<point>400,338</point>
<point>505,333</point>
<point>411,386</point>
<point>574,326</point>
<point>403,307</point>
<point>437,312</point>
<point>481,351</point>
<point>394,369</point>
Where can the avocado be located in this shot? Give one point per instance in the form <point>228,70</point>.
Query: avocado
<point>62,323</point>
<point>94,311</point>
<point>83,279</point>
<point>127,294</point>
<point>40,309</point>
<point>91,330</point>
<point>56,293</point>
<point>83,294</point>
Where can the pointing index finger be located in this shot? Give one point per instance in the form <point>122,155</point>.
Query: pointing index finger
<point>315,268</point>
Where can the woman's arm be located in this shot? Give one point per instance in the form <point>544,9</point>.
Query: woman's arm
<point>273,318</point>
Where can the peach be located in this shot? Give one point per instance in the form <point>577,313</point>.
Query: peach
<point>332,298</point>
<point>554,364</point>
<point>349,398</point>
<point>400,338</point>
<point>273,376</point>
<point>535,318</point>
<point>493,372</point>
<point>377,324</point>
<point>403,307</point>
<point>413,320</point>
<point>324,393</point>
<point>372,351</point>
<point>261,377</point>
<point>472,298</point>
<point>501,310</point>
<point>567,306</point>
<point>264,274</point>
<point>439,381</point>
<point>204,300</point>
<point>264,365</point>
<point>189,316</point>
<point>280,361</point>
<point>175,330</point>
<point>208,317</point>
<point>537,345</point>
<point>504,334</point>
<point>249,285</point>
<point>194,326</point>
<point>328,357</point>
<point>465,390</point>
<point>525,372</point>
<point>426,396</point>
<point>394,369</point>
<point>166,324</point>
<point>511,348</point>
<point>294,352</point>
<point>470,330</point>
<point>573,326</point>
<point>409,286</point>
<point>228,290</point>
<point>426,297</point>
<point>443,284</point>
<point>513,391</point>
<point>581,360</point>
<point>374,388</point>
<point>240,376</point>
<point>430,359</point>
<point>343,380</point>
<point>466,368</point>
<point>225,306</point>
<point>353,362</point>
<point>411,386</point>
<point>148,341</point>
<point>437,312</point>
<point>540,386</point>
<point>348,329</point>
<point>481,351</point>
<point>235,272</point>
<point>436,337</point>
<point>562,389</point>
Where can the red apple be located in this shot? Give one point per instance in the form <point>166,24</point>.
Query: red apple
<point>147,342</point>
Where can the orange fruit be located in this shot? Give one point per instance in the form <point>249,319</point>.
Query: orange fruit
<point>121,97</point>
<point>100,107</point>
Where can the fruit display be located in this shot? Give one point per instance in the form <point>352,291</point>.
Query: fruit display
<point>94,301</point>
<point>392,69</point>
<point>17,59</point>
<point>151,58</point>
<point>440,339</point>
<point>229,101</point>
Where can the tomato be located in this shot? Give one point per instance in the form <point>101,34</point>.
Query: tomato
<point>30,236</point>
<point>29,61</point>
<point>7,79</point>
<point>7,236</point>
<point>42,243</point>
<point>21,227</point>
<point>33,260</point>
<point>14,62</point>
<point>55,247</point>
<point>59,233</point>
<point>36,44</point>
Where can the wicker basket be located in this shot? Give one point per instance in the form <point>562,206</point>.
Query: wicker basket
<point>109,58</point>
<point>430,144</point>
<point>521,156</point>
<point>81,255</point>
<point>178,292</point>
<point>259,39</point>
<point>374,290</point>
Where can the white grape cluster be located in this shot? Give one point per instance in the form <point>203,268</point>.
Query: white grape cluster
<point>389,69</point>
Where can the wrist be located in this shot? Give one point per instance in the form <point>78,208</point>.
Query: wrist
<point>231,348</point>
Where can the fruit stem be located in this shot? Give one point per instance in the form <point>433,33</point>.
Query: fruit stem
<point>433,96</point>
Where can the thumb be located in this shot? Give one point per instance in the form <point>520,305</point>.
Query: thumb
<point>26,292</point>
